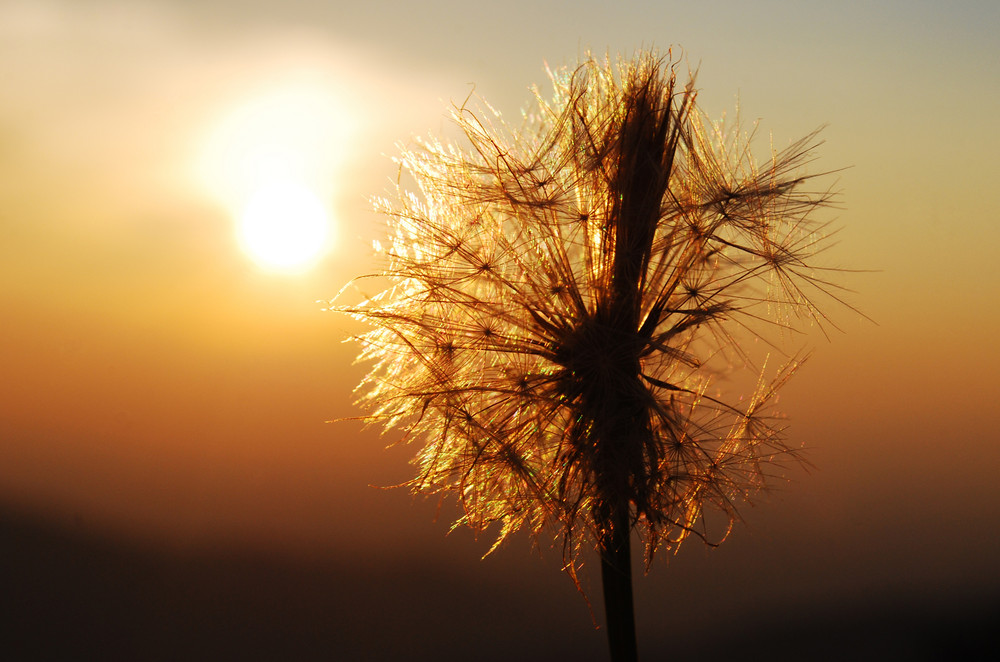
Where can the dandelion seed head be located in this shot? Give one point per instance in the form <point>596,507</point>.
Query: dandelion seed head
<point>564,294</point>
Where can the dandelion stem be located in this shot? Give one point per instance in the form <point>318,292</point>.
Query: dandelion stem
<point>616,579</point>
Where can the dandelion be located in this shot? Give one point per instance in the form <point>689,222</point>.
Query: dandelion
<point>565,298</point>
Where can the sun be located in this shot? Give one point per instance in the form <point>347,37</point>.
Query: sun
<point>284,227</point>
<point>270,160</point>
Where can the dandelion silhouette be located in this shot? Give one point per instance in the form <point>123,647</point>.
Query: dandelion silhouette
<point>562,299</point>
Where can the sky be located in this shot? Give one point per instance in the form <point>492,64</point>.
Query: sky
<point>159,384</point>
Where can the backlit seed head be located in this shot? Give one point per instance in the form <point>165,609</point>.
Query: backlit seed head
<point>564,298</point>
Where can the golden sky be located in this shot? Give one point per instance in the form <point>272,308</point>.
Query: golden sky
<point>158,380</point>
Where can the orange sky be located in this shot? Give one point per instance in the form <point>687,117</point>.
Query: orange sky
<point>157,381</point>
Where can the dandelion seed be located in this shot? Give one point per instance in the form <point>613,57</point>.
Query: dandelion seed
<point>562,298</point>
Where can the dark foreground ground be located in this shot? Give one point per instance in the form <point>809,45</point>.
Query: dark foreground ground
<point>69,594</point>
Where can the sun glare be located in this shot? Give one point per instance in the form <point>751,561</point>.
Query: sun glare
<point>284,227</point>
<point>271,161</point>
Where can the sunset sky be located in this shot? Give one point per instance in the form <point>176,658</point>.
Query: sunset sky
<point>162,381</point>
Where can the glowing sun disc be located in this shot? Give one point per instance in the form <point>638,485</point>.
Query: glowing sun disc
<point>285,227</point>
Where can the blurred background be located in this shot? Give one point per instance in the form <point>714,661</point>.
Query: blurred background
<point>169,484</point>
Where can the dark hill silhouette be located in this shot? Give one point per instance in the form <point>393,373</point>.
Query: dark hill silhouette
<point>67,593</point>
